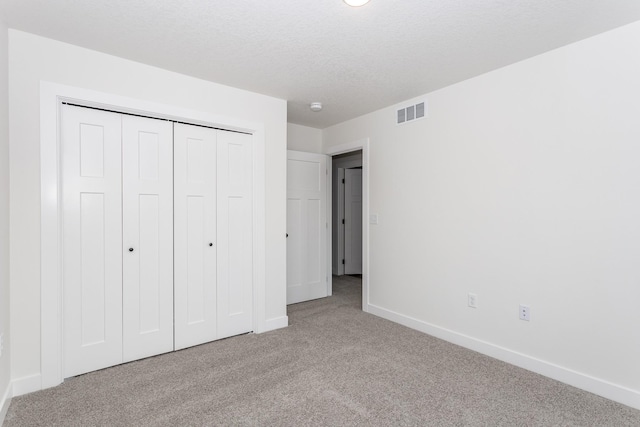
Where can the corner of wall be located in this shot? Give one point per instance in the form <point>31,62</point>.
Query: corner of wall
<point>5,401</point>
<point>5,384</point>
<point>304,138</point>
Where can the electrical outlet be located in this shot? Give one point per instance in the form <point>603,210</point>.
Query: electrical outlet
<point>525,312</point>
<point>472,300</point>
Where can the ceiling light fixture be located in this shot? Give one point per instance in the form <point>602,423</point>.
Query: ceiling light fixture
<point>356,3</point>
<point>316,106</point>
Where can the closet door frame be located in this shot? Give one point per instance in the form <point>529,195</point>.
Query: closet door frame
<point>52,96</point>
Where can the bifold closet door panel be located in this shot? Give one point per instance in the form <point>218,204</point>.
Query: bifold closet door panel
<point>92,239</point>
<point>235,240</point>
<point>147,212</point>
<point>195,235</point>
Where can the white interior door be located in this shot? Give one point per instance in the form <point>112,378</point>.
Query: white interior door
<point>92,239</point>
<point>195,240</point>
<point>353,221</point>
<point>307,267</point>
<point>234,233</point>
<point>118,254</point>
<point>147,211</point>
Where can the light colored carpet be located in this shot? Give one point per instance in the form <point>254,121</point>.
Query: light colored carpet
<point>334,365</point>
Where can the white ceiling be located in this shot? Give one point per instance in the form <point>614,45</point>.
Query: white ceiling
<point>353,60</point>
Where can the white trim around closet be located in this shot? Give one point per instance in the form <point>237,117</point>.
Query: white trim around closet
<point>52,96</point>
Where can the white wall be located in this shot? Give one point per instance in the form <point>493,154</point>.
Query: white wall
<point>33,59</point>
<point>4,216</point>
<point>304,138</point>
<point>522,186</point>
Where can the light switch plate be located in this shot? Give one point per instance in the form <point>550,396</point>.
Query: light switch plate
<point>472,300</point>
<point>373,219</point>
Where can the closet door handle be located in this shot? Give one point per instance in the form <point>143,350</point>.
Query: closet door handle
<point>210,244</point>
<point>130,249</point>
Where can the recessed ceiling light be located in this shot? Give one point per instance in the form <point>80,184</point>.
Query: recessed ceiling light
<point>356,3</point>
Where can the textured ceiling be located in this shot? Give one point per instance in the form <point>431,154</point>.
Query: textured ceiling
<point>353,60</point>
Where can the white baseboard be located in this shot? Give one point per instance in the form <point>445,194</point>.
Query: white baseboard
<point>603,388</point>
<point>276,323</point>
<point>5,401</point>
<point>27,384</point>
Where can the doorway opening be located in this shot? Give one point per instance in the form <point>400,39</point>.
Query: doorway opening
<point>347,221</point>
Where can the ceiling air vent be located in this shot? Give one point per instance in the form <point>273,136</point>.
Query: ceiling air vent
<point>411,113</point>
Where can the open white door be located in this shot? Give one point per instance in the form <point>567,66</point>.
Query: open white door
<point>353,221</point>
<point>307,228</point>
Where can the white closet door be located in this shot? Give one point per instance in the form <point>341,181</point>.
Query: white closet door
<point>234,234</point>
<point>353,221</point>
<point>92,239</point>
<point>307,268</point>
<point>195,235</point>
<point>147,211</point>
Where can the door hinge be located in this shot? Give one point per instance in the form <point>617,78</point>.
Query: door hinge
<point>343,262</point>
